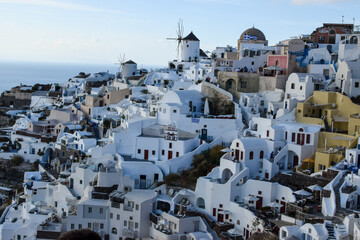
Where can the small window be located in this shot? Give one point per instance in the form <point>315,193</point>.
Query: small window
<point>242,155</point>
<point>237,144</point>
<point>356,84</point>
<point>285,135</point>
<point>72,226</point>
<point>163,152</point>
<point>170,145</point>
<point>259,192</point>
<point>267,133</point>
<point>251,155</point>
<point>261,154</point>
<point>139,151</point>
<point>136,225</point>
<point>111,215</point>
<point>174,111</point>
<point>177,154</point>
<point>252,63</point>
<point>117,216</point>
<point>90,210</point>
<point>293,86</point>
<point>243,84</point>
<point>101,226</point>
<point>293,137</point>
<point>80,226</point>
<point>220,205</point>
<point>137,207</point>
<point>308,139</point>
<point>300,87</point>
<point>89,225</point>
<point>125,223</point>
<point>153,152</point>
<point>101,210</point>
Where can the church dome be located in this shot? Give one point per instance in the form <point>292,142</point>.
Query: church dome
<point>253,32</point>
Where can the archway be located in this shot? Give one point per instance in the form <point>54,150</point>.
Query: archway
<point>200,203</point>
<point>353,40</point>
<point>48,156</point>
<point>293,160</point>
<point>226,175</point>
<point>230,85</point>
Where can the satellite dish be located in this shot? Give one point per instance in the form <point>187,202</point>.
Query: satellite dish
<point>171,192</point>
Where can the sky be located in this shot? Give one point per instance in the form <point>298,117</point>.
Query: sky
<point>93,31</point>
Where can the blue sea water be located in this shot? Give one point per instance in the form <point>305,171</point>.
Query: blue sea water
<point>28,73</point>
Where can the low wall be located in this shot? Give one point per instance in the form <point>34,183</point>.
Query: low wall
<point>176,165</point>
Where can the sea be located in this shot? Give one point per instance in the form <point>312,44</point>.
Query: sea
<point>29,73</point>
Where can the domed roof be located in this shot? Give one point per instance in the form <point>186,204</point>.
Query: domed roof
<point>253,32</point>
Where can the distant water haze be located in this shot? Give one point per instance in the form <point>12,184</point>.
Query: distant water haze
<point>29,73</point>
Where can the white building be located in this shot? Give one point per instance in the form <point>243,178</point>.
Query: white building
<point>190,48</point>
<point>348,78</point>
<point>302,85</point>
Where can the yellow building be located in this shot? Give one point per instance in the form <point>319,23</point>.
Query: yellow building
<point>340,118</point>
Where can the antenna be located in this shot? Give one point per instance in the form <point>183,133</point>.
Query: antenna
<point>179,33</point>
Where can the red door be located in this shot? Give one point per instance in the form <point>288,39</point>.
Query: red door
<point>220,217</point>
<point>259,202</point>
<point>282,209</point>
<point>146,154</point>
<point>296,160</point>
<point>170,155</point>
<point>300,139</point>
<point>237,154</point>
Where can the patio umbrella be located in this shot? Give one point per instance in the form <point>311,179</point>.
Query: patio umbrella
<point>25,196</point>
<point>274,205</point>
<point>206,107</point>
<point>40,204</point>
<point>308,161</point>
<point>315,187</point>
<point>226,150</point>
<point>234,232</point>
<point>250,198</point>
<point>274,68</point>
<point>302,192</point>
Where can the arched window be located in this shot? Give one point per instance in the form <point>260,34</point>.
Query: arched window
<point>277,63</point>
<point>200,203</point>
<point>261,154</point>
<point>246,53</point>
<point>251,155</point>
<point>114,231</point>
<point>332,31</point>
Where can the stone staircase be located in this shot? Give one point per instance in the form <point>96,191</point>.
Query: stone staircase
<point>340,213</point>
<point>331,230</point>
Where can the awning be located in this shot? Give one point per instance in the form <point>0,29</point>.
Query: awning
<point>340,119</point>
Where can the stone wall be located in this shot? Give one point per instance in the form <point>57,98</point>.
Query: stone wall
<point>272,83</point>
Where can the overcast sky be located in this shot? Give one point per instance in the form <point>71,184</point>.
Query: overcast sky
<point>93,31</point>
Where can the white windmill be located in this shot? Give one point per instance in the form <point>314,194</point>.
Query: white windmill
<point>121,62</point>
<point>179,38</point>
